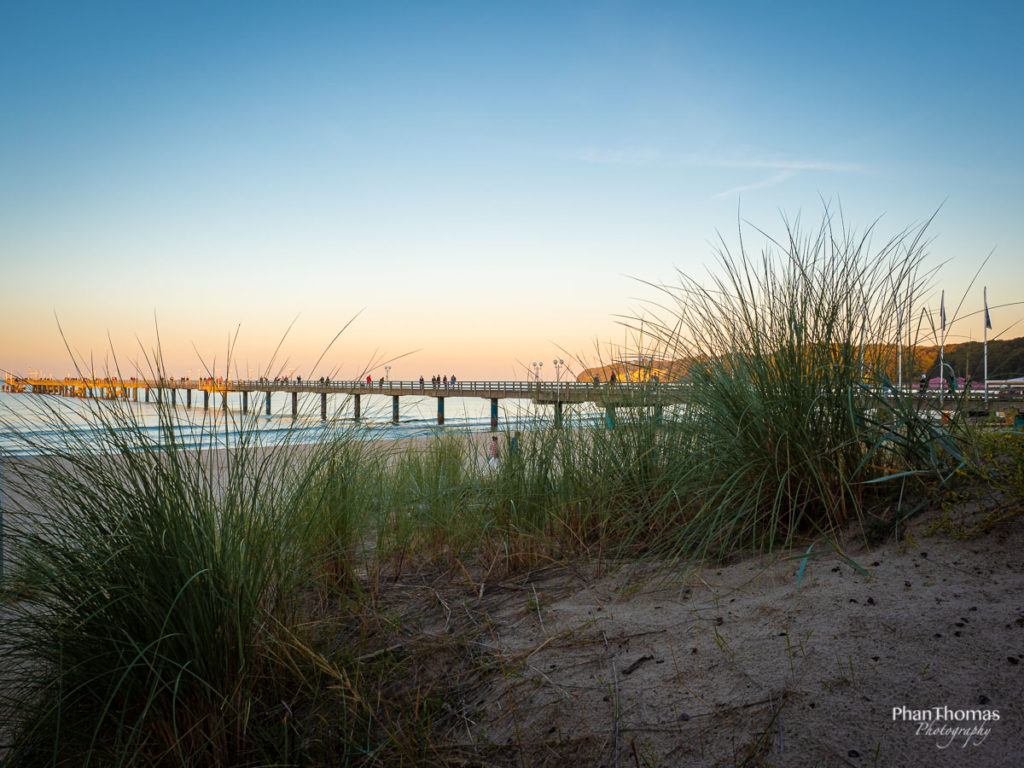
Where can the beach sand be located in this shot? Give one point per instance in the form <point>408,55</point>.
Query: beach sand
<point>742,665</point>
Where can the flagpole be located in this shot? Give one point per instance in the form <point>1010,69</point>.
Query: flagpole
<point>988,324</point>
<point>899,350</point>
<point>942,349</point>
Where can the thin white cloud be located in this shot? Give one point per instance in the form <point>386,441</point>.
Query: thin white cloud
<point>791,165</point>
<point>777,178</point>
<point>626,156</point>
<point>637,156</point>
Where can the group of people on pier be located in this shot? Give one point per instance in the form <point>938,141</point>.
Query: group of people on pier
<point>439,381</point>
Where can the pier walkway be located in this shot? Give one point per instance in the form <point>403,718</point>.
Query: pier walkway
<point>605,395</point>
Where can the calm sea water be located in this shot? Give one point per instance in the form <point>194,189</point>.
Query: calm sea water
<point>29,423</point>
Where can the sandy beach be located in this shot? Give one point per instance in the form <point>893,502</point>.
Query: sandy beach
<point>740,665</point>
<point>762,661</point>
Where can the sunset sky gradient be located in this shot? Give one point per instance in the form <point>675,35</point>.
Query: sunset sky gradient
<point>483,183</point>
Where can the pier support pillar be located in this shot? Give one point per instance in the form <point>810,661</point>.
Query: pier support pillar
<point>357,411</point>
<point>609,416</point>
<point>295,404</point>
<point>494,413</point>
<point>440,411</point>
<point>659,413</point>
<point>394,409</point>
<point>206,399</point>
<point>558,414</point>
<point>266,405</point>
<point>174,397</point>
<point>245,401</point>
<point>147,394</point>
<point>323,406</point>
<point>188,398</point>
<point>135,394</point>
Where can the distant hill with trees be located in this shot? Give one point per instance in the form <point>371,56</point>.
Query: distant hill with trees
<point>1005,361</point>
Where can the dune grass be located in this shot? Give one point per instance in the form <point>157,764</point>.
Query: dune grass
<point>164,605</point>
<point>791,393</point>
<point>219,604</point>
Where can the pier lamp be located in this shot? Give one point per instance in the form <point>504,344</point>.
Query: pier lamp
<point>558,363</point>
<point>536,370</point>
<point>387,373</point>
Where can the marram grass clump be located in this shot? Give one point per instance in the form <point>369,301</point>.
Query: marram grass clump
<point>160,605</point>
<point>792,411</point>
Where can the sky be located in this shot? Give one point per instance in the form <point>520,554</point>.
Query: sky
<point>472,187</point>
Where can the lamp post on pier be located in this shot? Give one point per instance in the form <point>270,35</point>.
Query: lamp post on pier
<point>558,363</point>
<point>387,373</point>
<point>536,370</point>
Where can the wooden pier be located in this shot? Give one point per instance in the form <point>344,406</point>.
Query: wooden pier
<point>607,395</point>
<point>557,394</point>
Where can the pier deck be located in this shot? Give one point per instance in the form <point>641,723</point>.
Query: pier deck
<point>605,395</point>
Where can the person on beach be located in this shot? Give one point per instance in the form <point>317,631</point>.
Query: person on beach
<point>492,453</point>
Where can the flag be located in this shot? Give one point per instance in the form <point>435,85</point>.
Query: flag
<point>942,312</point>
<point>988,319</point>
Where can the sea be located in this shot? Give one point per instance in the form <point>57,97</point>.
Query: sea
<point>32,423</point>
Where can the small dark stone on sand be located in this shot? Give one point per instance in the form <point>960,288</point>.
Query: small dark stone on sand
<point>853,753</point>
<point>983,699</point>
<point>1013,660</point>
<point>683,717</point>
<point>875,658</point>
<point>871,601</point>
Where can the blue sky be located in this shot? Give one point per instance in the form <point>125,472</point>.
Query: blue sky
<point>482,181</point>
